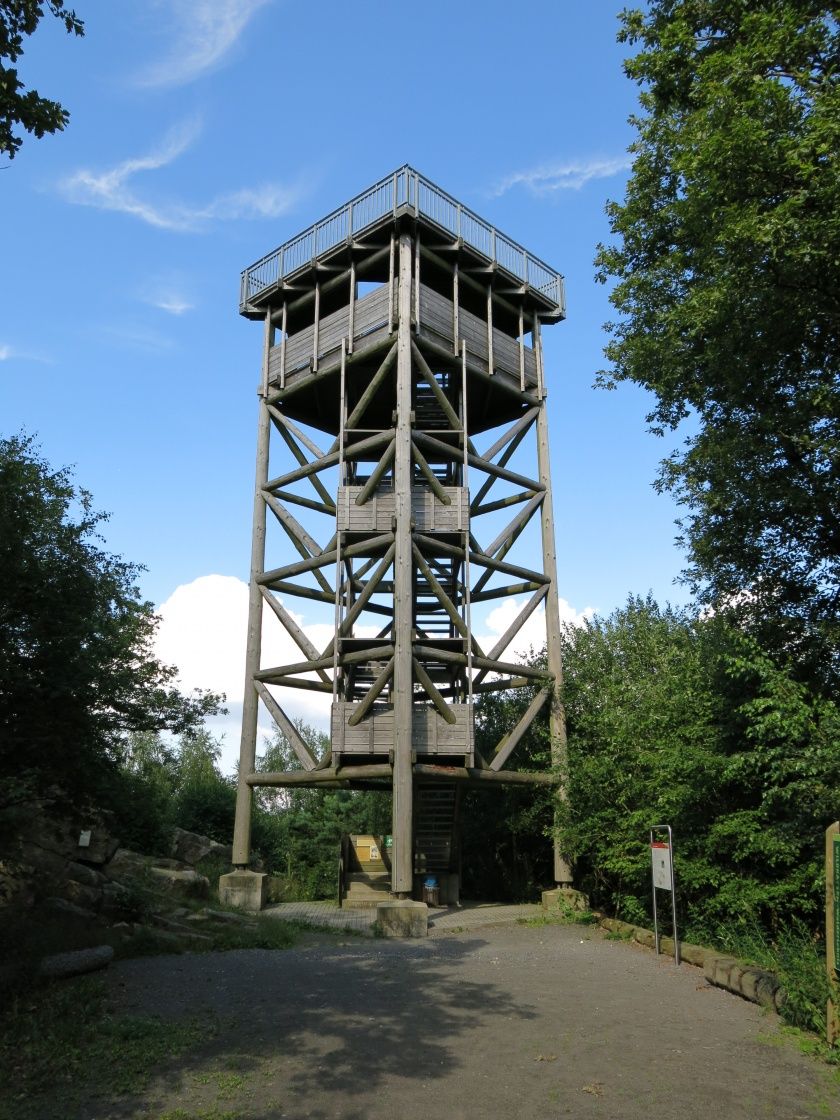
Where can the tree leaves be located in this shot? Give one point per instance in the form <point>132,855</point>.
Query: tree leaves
<point>728,287</point>
<point>19,106</point>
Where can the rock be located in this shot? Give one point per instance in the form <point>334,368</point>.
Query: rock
<point>80,873</point>
<point>80,895</point>
<point>116,899</point>
<point>126,864</point>
<point>227,916</point>
<point>191,848</point>
<point>169,864</point>
<point>186,884</point>
<point>64,906</point>
<point>61,965</point>
<point>16,885</point>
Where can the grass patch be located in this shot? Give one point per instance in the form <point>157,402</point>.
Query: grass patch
<point>795,956</point>
<point>60,1045</point>
<point>559,916</point>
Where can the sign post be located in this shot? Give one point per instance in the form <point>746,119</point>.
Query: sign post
<point>832,925</point>
<point>662,876</point>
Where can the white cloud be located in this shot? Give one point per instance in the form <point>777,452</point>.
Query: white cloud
<point>172,303</point>
<point>532,634</point>
<point>201,34</point>
<point>167,295</point>
<point>203,631</point>
<point>552,177</point>
<point>112,189</point>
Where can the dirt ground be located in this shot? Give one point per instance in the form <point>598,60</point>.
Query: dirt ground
<point>513,1021</point>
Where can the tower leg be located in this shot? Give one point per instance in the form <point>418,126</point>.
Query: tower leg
<point>557,718</point>
<point>248,739</point>
<point>402,859</point>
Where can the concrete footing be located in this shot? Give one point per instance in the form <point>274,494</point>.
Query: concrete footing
<point>243,888</point>
<point>401,917</point>
<point>564,898</point>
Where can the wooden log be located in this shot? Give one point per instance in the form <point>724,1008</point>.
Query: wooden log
<point>377,475</point>
<point>293,736</point>
<point>298,636</point>
<point>508,743</point>
<point>370,697</point>
<point>432,692</point>
<point>429,475</point>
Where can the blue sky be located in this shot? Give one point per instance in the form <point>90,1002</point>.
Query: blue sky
<point>204,133</point>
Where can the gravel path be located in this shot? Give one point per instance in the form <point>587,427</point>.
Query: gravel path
<point>506,1021</point>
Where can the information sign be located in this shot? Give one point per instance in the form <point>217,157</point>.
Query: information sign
<point>662,877</point>
<point>660,856</point>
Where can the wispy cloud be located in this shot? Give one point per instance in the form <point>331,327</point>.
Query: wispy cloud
<point>113,189</point>
<point>135,336</point>
<point>8,353</point>
<point>171,302</point>
<point>200,35</point>
<point>167,294</point>
<point>569,176</point>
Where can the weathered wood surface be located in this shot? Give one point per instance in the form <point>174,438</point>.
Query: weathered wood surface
<point>430,515</point>
<point>430,732</point>
<point>370,322</point>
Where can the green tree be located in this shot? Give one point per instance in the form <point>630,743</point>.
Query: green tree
<point>77,666</point>
<point>686,720</point>
<point>205,800</point>
<point>727,275</point>
<point>19,106</point>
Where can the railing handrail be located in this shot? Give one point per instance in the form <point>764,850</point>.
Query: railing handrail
<point>403,187</point>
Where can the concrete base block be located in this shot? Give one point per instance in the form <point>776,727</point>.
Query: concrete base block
<point>565,898</point>
<point>245,889</point>
<point>401,917</point>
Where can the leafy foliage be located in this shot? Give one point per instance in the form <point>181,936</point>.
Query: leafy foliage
<point>77,668</point>
<point>506,831</point>
<point>727,277</point>
<point>686,720</point>
<point>19,106</point>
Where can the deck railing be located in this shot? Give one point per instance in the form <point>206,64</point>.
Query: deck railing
<point>404,188</point>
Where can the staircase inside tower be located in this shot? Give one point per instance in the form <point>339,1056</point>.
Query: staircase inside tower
<point>436,848</point>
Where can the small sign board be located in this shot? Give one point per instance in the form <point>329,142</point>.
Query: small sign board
<point>84,838</point>
<point>660,858</point>
<point>662,877</point>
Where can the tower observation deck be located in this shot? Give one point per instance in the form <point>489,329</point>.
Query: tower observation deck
<point>402,374</point>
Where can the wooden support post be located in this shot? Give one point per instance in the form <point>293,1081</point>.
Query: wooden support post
<point>250,706</point>
<point>283,349</point>
<point>402,860</point>
<point>317,328</point>
<point>557,716</point>
<point>351,332</point>
<point>456,311</point>
<point>490,356</point>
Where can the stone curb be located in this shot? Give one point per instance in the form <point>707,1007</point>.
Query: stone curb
<point>757,985</point>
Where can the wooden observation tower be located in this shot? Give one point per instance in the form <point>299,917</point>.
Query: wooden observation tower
<point>402,372</point>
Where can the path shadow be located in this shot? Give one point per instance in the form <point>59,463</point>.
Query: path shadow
<point>329,1026</point>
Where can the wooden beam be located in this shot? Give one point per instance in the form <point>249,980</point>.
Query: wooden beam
<point>370,697</point>
<point>295,740</point>
<point>280,420</point>
<point>303,643</point>
<point>429,475</point>
<point>433,694</point>
<point>508,743</point>
<point>367,491</point>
